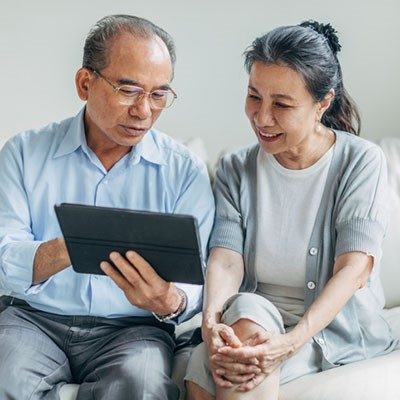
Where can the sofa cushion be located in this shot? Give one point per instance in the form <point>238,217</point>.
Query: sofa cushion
<point>69,391</point>
<point>372,379</point>
<point>390,264</point>
<point>390,273</point>
<point>365,380</point>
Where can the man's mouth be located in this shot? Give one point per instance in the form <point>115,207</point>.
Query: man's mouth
<point>134,130</point>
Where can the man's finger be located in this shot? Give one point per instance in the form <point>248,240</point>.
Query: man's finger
<point>145,270</point>
<point>115,275</point>
<point>126,269</point>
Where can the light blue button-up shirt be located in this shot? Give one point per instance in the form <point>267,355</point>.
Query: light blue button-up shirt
<point>40,168</point>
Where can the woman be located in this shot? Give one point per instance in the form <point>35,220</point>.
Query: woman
<point>298,230</point>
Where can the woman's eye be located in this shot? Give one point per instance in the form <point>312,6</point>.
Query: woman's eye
<point>252,96</point>
<point>282,105</point>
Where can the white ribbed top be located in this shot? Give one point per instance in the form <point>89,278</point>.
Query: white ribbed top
<point>287,206</point>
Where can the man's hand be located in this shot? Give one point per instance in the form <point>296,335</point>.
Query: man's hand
<point>142,286</point>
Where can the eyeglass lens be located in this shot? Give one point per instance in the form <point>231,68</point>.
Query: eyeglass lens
<point>131,95</point>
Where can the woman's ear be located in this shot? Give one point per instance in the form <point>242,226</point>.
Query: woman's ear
<point>82,81</point>
<point>325,103</point>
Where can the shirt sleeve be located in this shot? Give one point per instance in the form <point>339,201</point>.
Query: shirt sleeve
<point>228,226</point>
<point>362,211</point>
<point>196,199</point>
<point>17,243</point>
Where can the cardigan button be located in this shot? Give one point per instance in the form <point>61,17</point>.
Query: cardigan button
<point>313,251</point>
<point>311,285</point>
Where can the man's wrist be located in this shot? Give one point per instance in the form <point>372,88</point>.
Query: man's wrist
<point>64,255</point>
<point>179,310</point>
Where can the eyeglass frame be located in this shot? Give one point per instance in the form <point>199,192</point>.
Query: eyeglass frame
<point>117,88</point>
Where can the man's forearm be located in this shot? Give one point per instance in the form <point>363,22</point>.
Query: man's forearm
<point>51,257</point>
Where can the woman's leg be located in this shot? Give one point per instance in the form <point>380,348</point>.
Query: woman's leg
<point>196,392</point>
<point>198,380</point>
<point>240,310</point>
<point>269,388</point>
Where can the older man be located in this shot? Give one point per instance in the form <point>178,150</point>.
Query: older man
<point>112,334</point>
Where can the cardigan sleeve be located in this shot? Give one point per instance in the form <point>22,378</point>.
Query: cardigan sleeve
<point>228,227</point>
<point>362,211</point>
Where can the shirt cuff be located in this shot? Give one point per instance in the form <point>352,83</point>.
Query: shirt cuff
<point>194,295</point>
<point>17,267</point>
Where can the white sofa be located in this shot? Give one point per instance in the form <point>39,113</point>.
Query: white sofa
<point>376,379</point>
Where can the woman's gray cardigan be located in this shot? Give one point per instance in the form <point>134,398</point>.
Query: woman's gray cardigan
<point>352,217</point>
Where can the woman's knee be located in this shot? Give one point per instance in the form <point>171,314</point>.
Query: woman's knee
<point>250,312</point>
<point>245,328</point>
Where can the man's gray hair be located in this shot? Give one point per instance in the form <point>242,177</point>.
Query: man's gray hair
<point>96,44</point>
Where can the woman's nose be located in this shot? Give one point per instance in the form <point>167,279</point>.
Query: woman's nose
<point>264,116</point>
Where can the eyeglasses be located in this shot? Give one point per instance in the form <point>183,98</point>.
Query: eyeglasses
<point>130,95</point>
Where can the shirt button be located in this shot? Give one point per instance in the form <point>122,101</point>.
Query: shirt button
<point>320,341</point>
<point>311,285</point>
<point>313,251</point>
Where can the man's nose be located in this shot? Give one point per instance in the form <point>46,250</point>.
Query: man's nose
<point>142,107</point>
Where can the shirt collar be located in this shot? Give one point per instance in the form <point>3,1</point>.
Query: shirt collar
<point>148,149</point>
<point>75,137</point>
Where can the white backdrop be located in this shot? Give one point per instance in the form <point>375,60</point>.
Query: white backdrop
<point>41,48</point>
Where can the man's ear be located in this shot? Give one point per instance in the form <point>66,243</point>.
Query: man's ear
<point>82,82</point>
<point>325,103</point>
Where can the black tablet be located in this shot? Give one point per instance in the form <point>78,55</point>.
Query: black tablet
<point>168,242</point>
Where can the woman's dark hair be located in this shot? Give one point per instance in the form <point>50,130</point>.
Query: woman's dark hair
<point>96,44</point>
<point>311,50</point>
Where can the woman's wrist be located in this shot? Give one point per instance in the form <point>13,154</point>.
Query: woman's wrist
<point>210,319</point>
<point>297,336</point>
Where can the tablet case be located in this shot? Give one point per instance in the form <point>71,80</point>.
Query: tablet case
<point>168,242</point>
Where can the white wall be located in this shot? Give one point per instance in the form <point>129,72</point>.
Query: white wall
<point>41,46</point>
